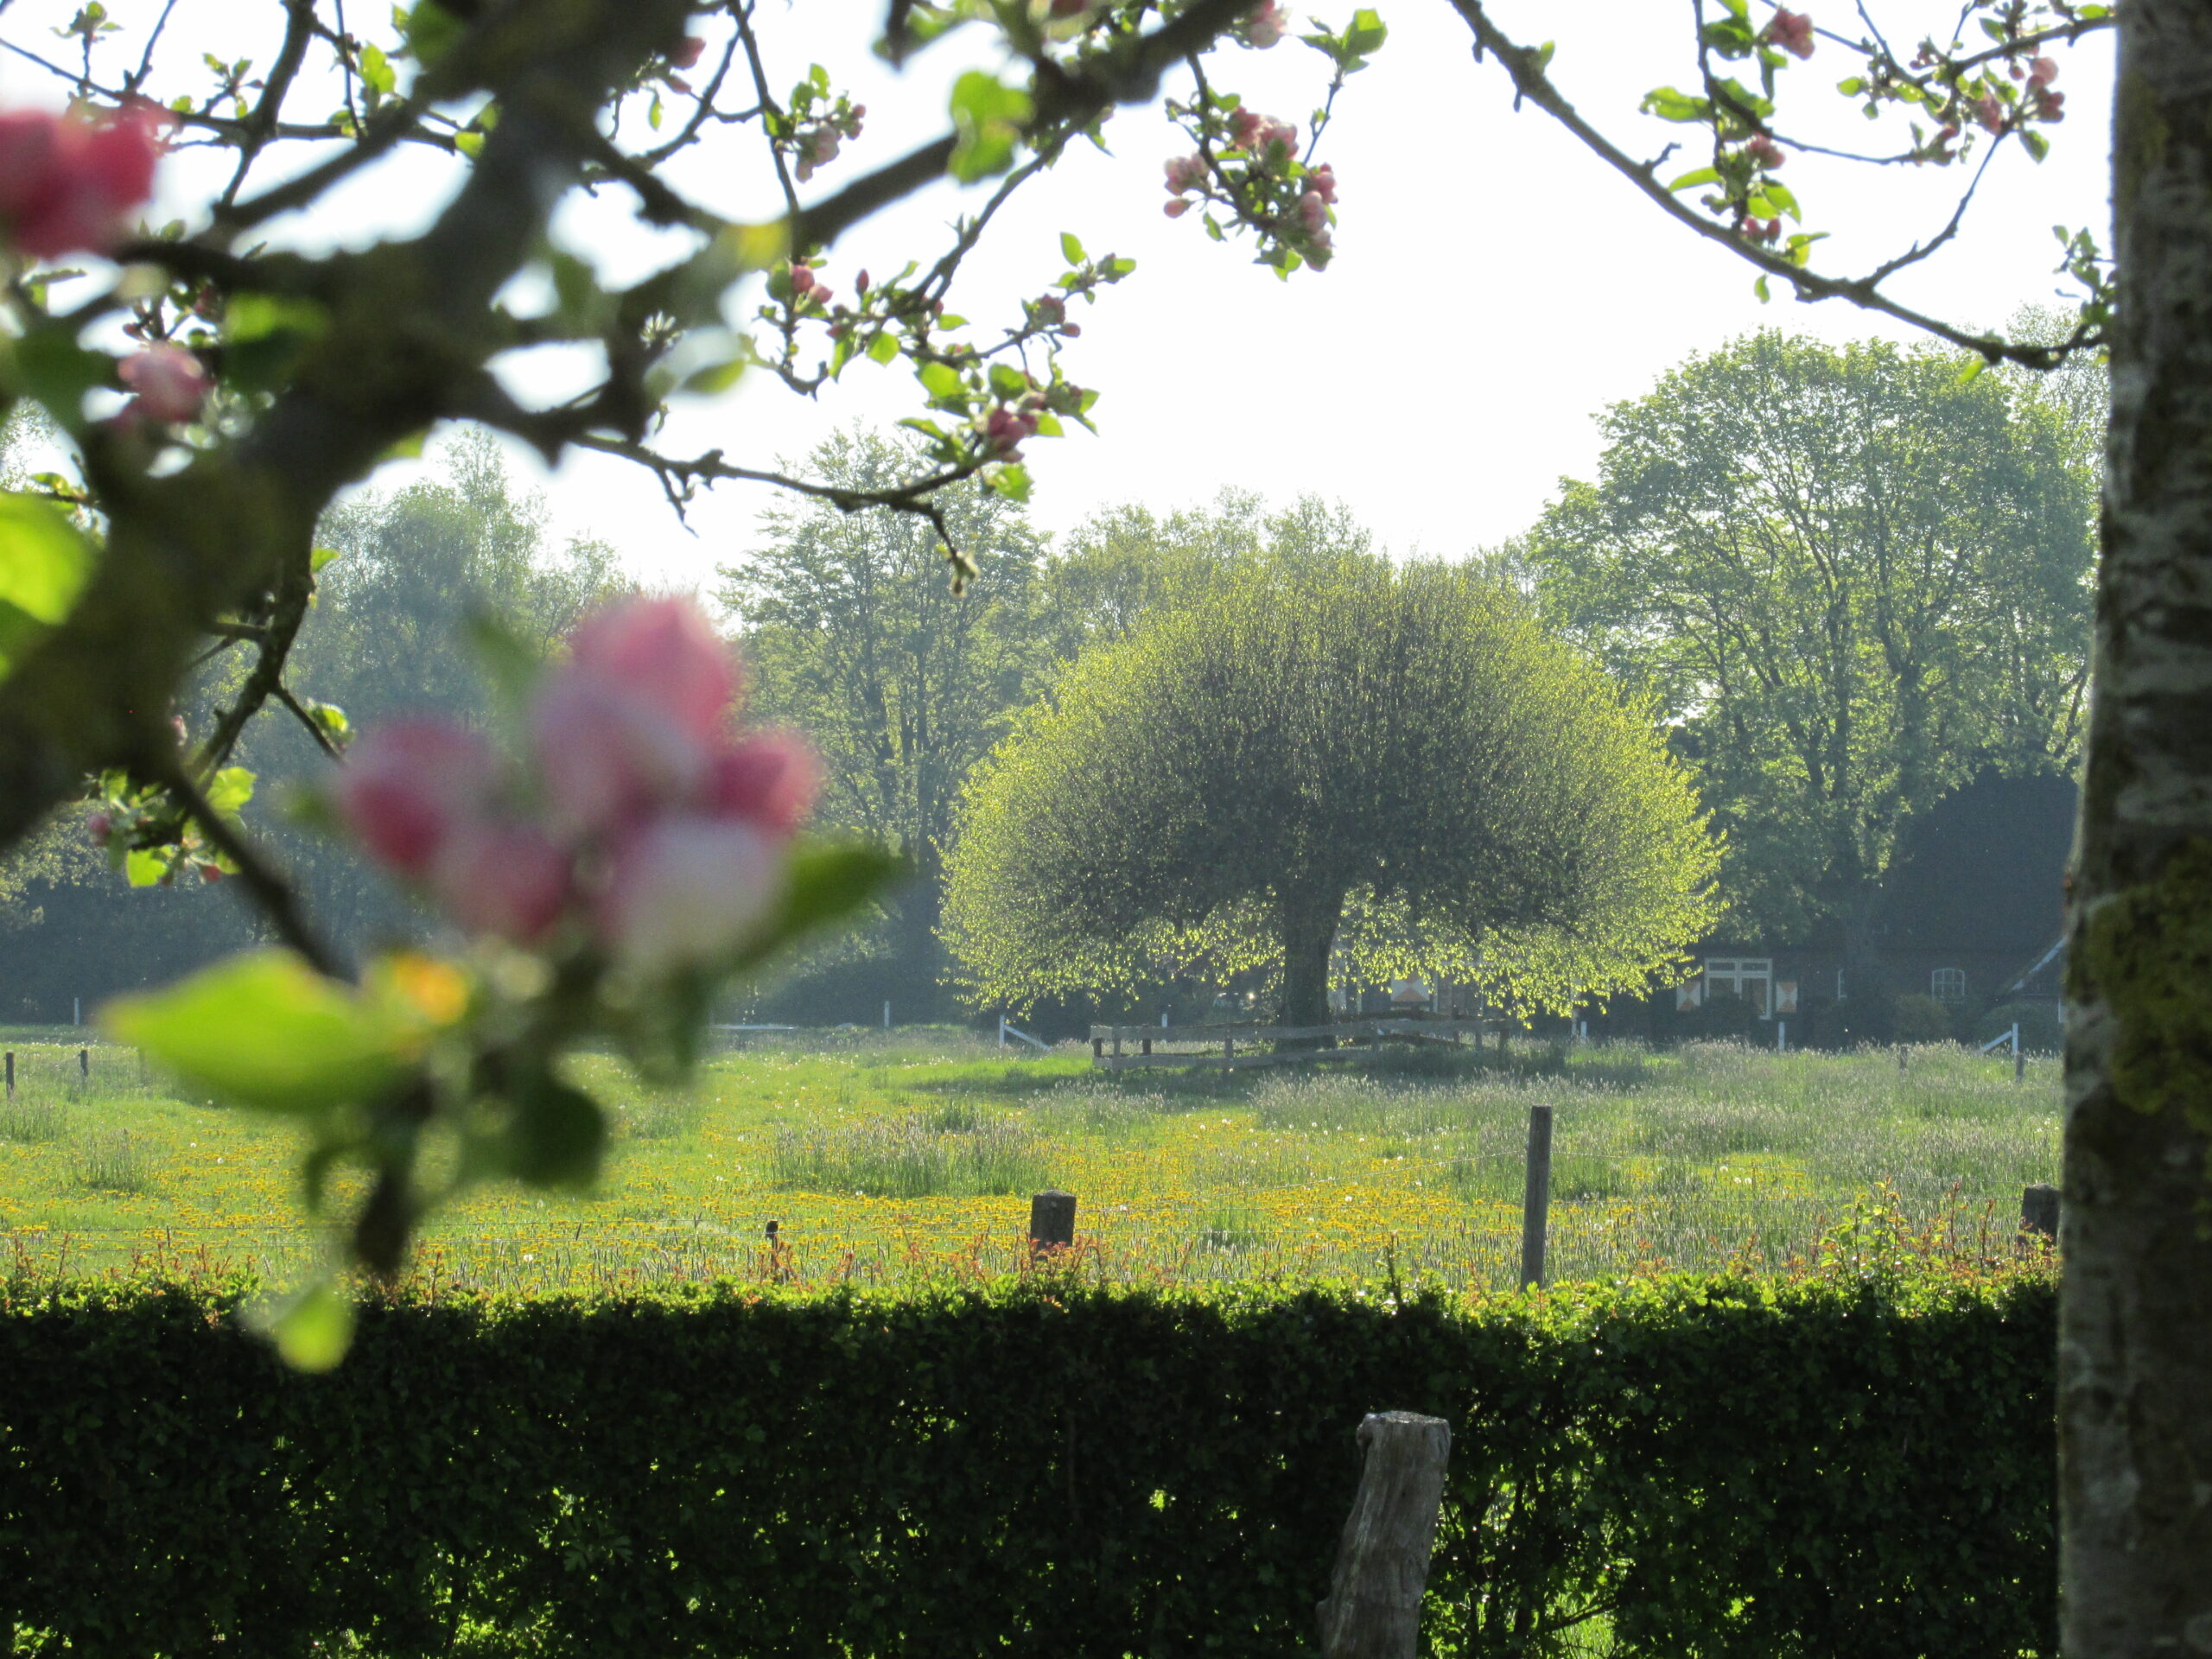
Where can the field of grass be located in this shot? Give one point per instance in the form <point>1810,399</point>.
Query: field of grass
<point>901,1154</point>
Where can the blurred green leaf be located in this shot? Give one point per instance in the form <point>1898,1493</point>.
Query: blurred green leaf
<point>313,1330</point>
<point>44,563</point>
<point>987,120</point>
<point>266,1030</point>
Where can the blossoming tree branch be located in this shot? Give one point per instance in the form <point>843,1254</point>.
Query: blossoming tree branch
<point>619,847</point>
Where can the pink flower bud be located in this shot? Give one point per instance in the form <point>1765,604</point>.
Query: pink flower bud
<point>1244,127</point>
<point>101,828</point>
<point>494,876</point>
<point>2042,73</point>
<point>1051,311</point>
<point>1178,208</point>
<point>687,54</point>
<point>860,285</point>
<point>770,779</point>
<point>1322,181</point>
<point>170,382</point>
<point>665,652</point>
<point>1006,428</point>
<point>684,890</point>
<point>1990,112</point>
<point>1792,31</point>
<point>1312,212</point>
<point>1186,173</point>
<point>1074,330</point>
<point>405,786</point>
<point>1273,132</point>
<point>1763,150</point>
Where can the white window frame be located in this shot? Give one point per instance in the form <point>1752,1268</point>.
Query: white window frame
<point>1749,977</point>
<point>1947,985</point>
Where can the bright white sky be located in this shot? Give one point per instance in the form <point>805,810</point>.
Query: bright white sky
<point>1496,285</point>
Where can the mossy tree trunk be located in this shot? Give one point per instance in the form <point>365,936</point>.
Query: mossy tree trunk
<point>2135,1354</point>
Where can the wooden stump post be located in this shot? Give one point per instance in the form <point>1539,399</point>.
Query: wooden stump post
<point>2039,1212</point>
<point>11,1074</point>
<point>1051,1219</point>
<point>1536,1197</point>
<point>1373,1609</point>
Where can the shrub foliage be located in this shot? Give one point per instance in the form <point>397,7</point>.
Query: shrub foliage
<point>1704,1468</point>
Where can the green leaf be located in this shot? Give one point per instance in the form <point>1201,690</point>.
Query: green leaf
<point>145,867</point>
<point>44,564</point>
<point>229,790</point>
<point>1008,381</point>
<point>987,117</point>
<point>824,883</point>
<point>1669,104</point>
<point>944,384</point>
<point>1691,180</point>
<point>267,1031</point>
<point>313,1329</point>
<point>884,347</point>
<point>508,663</point>
<point>264,334</point>
<point>1011,480</point>
<point>432,30</point>
<point>320,556</point>
<point>2038,145</point>
<point>376,71</point>
<point>558,1136</point>
<point>56,371</point>
<point>1761,288</point>
<point>1071,248</point>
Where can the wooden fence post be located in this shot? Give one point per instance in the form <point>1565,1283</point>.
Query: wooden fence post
<point>1373,1609</point>
<point>1536,1197</point>
<point>85,1065</point>
<point>1051,1219</point>
<point>2039,1211</point>
<point>11,1074</point>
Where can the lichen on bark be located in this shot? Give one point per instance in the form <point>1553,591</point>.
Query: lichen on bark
<point>2148,953</point>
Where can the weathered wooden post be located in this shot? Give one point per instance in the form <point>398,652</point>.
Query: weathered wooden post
<point>1900,1056</point>
<point>1536,1197</point>
<point>2039,1212</point>
<point>1051,1219</point>
<point>1373,1609</point>
<point>85,1065</point>
<point>11,1074</point>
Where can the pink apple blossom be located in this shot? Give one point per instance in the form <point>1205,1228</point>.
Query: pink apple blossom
<point>1186,173</point>
<point>1763,150</point>
<point>170,383</point>
<point>770,779</point>
<point>1322,181</point>
<point>405,786</point>
<point>500,877</point>
<point>68,184</point>
<point>607,756</point>
<point>1792,31</point>
<point>1264,25</point>
<point>665,652</point>
<point>685,890</point>
<point>1990,112</point>
<point>1178,208</point>
<point>2042,73</point>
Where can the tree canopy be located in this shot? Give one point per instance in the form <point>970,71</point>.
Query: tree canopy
<point>1397,757</point>
<point>1853,578</point>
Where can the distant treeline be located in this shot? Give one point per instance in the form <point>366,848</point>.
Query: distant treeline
<point>1844,581</point>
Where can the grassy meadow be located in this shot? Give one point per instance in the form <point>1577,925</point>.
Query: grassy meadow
<point>899,1155</point>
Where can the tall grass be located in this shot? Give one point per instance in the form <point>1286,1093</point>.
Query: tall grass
<point>969,1156</point>
<point>32,1122</point>
<point>111,1161</point>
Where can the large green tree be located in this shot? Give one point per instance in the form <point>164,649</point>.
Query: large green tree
<point>1851,577</point>
<point>853,637</point>
<point>1396,761</point>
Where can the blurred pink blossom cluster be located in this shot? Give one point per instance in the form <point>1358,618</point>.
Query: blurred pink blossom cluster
<point>68,184</point>
<point>638,820</point>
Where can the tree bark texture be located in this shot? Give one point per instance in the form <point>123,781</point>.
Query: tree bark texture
<point>1309,933</point>
<point>1373,1610</point>
<point>2135,1329</point>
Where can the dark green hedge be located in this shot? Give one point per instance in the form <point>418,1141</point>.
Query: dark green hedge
<point>1715,1468</point>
